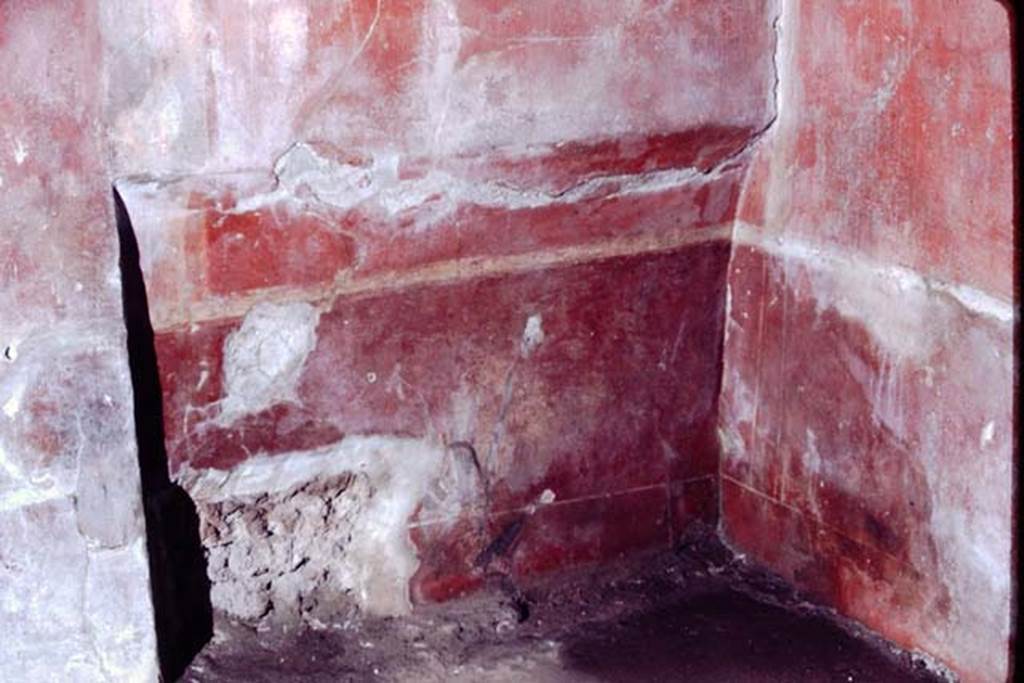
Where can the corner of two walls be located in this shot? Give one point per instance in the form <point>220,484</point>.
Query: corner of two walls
<point>866,406</point>
<point>422,274</point>
<point>476,291</point>
<point>507,325</point>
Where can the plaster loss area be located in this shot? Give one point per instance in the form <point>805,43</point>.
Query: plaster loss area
<point>312,536</point>
<point>282,556</point>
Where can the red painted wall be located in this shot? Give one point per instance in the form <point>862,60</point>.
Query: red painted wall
<point>433,176</point>
<point>867,392</point>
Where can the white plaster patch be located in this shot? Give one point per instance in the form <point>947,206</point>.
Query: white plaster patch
<point>303,175</point>
<point>301,170</point>
<point>892,303</point>
<point>533,335</point>
<point>739,400</point>
<point>28,495</point>
<point>378,557</point>
<point>988,433</point>
<point>263,359</point>
<point>979,302</point>
<point>897,305</point>
<point>547,497</point>
<point>459,486</point>
<point>20,152</point>
<point>812,458</point>
<point>12,405</point>
<point>784,26</point>
<point>730,442</point>
<point>888,392</point>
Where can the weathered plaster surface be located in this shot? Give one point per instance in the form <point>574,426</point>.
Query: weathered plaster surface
<point>866,408</point>
<point>75,601</point>
<point>486,244</point>
<point>211,88</point>
<point>463,223</point>
<point>74,579</point>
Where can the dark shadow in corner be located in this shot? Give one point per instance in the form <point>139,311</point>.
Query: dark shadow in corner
<point>177,566</point>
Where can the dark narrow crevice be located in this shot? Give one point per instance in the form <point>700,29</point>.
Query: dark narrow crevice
<point>177,566</point>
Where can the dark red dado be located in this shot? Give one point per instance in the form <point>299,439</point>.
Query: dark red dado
<point>616,400</point>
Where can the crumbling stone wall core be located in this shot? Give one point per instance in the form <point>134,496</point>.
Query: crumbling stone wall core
<point>282,556</point>
<point>312,536</point>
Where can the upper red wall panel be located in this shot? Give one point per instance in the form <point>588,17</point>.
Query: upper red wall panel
<point>896,136</point>
<point>214,85</point>
<point>370,139</point>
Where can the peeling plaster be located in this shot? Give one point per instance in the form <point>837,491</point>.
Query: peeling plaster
<point>263,359</point>
<point>304,176</point>
<point>906,312</point>
<point>377,559</point>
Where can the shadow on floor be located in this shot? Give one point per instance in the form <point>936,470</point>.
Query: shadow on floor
<point>695,614</point>
<point>725,635</point>
<point>178,580</point>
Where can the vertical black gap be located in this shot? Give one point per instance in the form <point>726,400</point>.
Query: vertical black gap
<point>177,566</point>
